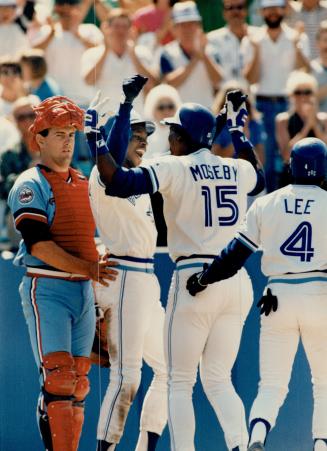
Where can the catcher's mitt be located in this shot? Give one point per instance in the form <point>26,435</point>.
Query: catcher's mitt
<point>100,353</point>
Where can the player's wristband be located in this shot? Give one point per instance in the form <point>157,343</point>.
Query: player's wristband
<point>97,145</point>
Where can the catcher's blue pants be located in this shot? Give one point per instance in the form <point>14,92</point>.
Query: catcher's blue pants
<point>60,315</point>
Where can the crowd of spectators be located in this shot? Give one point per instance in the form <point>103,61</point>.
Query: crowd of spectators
<point>274,50</point>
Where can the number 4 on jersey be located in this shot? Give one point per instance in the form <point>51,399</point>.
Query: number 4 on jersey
<point>299,244</point>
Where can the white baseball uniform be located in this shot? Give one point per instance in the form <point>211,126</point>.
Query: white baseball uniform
<point>289,226</point>
<point>205,198</point>
<point>134,312</point>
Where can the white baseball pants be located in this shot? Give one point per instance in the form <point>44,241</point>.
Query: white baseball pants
<point>301,313</point>
<point>205,329</point>
<point>136,322</point>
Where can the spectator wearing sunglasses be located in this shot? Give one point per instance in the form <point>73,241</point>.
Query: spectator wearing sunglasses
<point>227,40</point>
<point>11,84</point>
<point>19,158</point>
<point>162,101</point>
<point>302,120</point>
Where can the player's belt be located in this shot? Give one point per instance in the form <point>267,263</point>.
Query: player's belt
<point>136,264</point>
<point>304,277</point>
<point>193,261</point>
<point>54,274</point>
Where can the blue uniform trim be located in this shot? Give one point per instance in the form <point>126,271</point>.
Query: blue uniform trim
<point>133,259</point>
<point>120,354</point>
<point>170,362</point>
<point>154,178</point>
<point>189,265</point>
<point>300,280</point>
<point>245,240</point>
<point>135,269</point>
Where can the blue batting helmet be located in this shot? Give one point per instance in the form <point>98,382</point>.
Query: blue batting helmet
<point>196,120</point>
<point>309,159</point>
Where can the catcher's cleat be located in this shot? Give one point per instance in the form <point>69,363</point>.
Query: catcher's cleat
<point>256,446</point>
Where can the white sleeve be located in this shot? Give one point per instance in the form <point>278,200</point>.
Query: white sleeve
<point>165,173</point>
<point>247,51</point>
<point>249,230</point>
<point>91,32</point>
<point>305,45</point>
<point>89,59</point>
<point>247,176</point>
<point>144,55</point>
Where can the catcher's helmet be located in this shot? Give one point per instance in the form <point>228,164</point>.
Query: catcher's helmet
<point>196,120</point>
<point>309,159</point>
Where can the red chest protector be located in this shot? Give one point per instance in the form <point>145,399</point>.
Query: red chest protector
<point>73,227</point>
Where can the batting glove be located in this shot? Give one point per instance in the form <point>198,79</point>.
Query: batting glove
<point>268,303</point>
<point>236,110</point>
<point>194,285</point>
<point>96,117</point>
<point>132,87</point>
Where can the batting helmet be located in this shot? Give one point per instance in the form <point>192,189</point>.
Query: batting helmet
<point>137,119</point>
<point>196,120</point>
<point>309,159</point>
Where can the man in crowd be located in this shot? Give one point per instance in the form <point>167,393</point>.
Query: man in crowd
<point>227,40</point>
<point>105,66</point>
<point>50,207</point>
<point>64,43</point>
<point>306,15</point>
<point>319,65</point>
<point>270,55</point>
<point>188,63</point>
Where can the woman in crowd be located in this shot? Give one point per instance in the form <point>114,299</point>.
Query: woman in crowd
<point>303,119</point>
<point>162,101</point>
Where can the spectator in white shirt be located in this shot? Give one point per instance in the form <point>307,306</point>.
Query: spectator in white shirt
<point>12,38</point>
<point>319,65</point>
<point>270,55</point>
<point>188,63</point>
<point>227,40</point>
<point>106,65</point>
<point>64,43</point>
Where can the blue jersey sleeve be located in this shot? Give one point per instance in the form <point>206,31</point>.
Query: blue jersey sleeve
<point>225,265</point>
<point>117,133</point>
<point>129,182</point>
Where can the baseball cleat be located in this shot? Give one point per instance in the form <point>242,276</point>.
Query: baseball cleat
<point>256,446</point>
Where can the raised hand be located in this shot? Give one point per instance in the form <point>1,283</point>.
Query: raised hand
<point>236,110</point>
<point>133,86</point>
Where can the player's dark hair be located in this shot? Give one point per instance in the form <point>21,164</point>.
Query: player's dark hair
<point>185,138</point>
<point>319,181</point>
